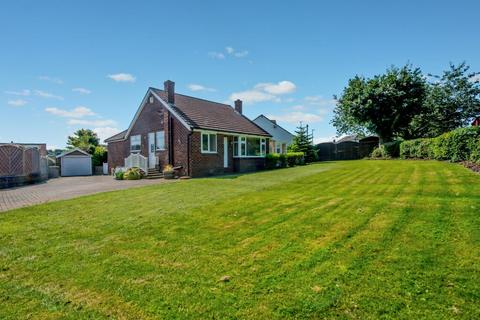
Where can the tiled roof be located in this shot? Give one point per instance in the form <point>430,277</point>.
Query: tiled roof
<point>118,136</point>
<point>209,115</point>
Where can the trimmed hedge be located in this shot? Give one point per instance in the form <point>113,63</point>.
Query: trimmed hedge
<point>276,160</point>
<point>458,145</point>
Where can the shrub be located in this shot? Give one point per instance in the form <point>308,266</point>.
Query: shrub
<point>417,149</point>
<point>99,156</point>
<point>168,168</point>
<point>457,145</point>
<point>271,160</point>
<point>475,151</point>
<point>295,158</point>
<point>379,153</point>
<point>119,175</point>
<point>282,160</point>
<point>133,174</point>
<point>392,149</point>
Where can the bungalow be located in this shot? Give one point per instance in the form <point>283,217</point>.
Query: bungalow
<point>281,138</point>
<point>196,136</point>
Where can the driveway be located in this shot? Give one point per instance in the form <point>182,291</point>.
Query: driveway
<point>65,188</point>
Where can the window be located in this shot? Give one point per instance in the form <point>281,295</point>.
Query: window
<point>150,99</point>
<point>135,143</point>
<point>235,146</point>
<point>209,143</point>
<point>160,140</point>
<point>243,146</point>
<point>278,147</point>
<point>249,147</point>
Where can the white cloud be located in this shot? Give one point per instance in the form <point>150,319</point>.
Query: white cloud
<point>296,117</point>
<point>238,54</point>
<point>24,92</point>
<point>283,87</point>
<point>252,96</point>
<point>320,101</point>
<point>199,87</point>
<point>93,122</point>
<point>216,55</point>
<point>122,77</point>
<point>264,92</point>
<point>47,95</point>
<point>17,103</point>
<point>78,112</point>
<point>105,132</point>
<point>81,90</point>
<point>51,79</point>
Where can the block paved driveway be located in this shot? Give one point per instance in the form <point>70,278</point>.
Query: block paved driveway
<point>65,188</point>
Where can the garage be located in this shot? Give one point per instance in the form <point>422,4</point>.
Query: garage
<point>75,162</point>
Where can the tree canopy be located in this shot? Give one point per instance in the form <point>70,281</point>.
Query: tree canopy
<point>303,142</point>
<point>84,139</point>
<point>402,104</point>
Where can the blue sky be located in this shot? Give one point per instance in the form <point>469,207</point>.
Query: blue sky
<point>67,65</point>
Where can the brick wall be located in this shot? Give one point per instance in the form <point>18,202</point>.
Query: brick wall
<point>154,117</point>
<point>206,164</point>
<point>249,164</point>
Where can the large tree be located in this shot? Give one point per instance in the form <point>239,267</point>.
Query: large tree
<point>453,101</point>
<point>84,139</point>
<point>385,104</point>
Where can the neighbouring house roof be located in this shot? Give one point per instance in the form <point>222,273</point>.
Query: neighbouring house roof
<point>209,115</point>
<point>275,124</point>
<point>75,151</point>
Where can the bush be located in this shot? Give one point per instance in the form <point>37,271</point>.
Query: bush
<point>133,174</point>
<point>475,151</point>
<point>282,160</point>
<point>277,160</point>
<point>417,149</point>
<point>392,149</point>
<point>119,175</point>
<point>99,156</point>
<point>379,153</point>
<point>295,158</point>
<point>271,160</point>
<point>457,145</point>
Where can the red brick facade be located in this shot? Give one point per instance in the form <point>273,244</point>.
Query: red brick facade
<point>185,151</point>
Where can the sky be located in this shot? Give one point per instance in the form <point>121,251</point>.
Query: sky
<point>66,65</point>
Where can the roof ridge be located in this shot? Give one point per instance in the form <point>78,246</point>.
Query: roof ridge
<point>185,95</point>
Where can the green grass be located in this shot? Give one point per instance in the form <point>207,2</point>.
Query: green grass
<point>358,239</point>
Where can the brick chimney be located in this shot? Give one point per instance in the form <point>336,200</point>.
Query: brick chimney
<point>238,106</point>
<point>274,121</point>
<point>169,87</point>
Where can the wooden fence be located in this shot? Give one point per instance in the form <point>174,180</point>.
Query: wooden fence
<point>347,150</point>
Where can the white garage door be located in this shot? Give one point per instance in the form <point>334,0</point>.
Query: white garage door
<point>76,166</point>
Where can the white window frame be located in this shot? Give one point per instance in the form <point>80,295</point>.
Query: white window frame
<point>242,140</point>
<point>157,147</point>
<point>139,144</point>
<point>209,147</point>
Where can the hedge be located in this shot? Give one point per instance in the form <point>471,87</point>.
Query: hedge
<point>276,160</point>
<point>458,145</point>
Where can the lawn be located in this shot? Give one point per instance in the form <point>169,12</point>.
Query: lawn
<point>358,239</point>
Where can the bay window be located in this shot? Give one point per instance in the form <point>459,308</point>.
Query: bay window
<point>249,147</point>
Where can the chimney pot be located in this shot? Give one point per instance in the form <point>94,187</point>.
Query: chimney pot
<point>169,87</point>
<point>238,106</point>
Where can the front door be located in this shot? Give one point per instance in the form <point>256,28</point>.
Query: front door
<point>225,152</point>
<point>152,158</point>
